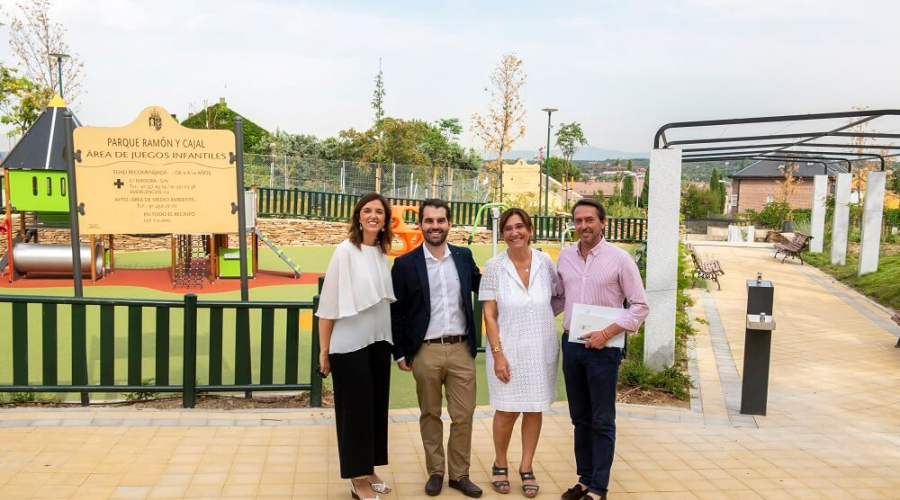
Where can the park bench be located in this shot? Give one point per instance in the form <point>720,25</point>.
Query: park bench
<point>794,248</point>
<point>707,270</point>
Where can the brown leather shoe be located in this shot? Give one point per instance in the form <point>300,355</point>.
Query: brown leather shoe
<point>434,485</point>
<point>466,486</point>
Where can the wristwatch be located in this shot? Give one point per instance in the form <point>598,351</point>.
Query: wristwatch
<point>496,348</point>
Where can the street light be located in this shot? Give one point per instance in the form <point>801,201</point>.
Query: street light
<point>625,173</point>
<point>59,57</point>
<point>549,112</point>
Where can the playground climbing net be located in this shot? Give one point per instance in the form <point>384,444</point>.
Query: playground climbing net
<point>191,260</point>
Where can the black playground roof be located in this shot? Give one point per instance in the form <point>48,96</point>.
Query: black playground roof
<point>42,145</point>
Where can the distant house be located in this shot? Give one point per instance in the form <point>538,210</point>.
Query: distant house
<point>756,185</point>
<point>589,189</point>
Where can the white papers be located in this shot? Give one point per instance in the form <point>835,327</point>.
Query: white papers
<point>587,318</point>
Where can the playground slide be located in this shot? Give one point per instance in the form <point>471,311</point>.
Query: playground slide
<point>287,260</point>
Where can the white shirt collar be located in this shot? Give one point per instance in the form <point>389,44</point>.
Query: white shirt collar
<point>428,254</point>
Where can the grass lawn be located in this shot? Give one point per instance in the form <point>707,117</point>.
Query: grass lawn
<point>883,286</point>
<point>311,259</point>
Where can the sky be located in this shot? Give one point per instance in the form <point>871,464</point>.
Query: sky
<point>619,68</point>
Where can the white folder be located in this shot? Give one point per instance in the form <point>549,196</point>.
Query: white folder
<point>589,318</point>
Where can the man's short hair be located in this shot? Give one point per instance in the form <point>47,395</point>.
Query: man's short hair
<point>601,212</point>
<point>435,203</point>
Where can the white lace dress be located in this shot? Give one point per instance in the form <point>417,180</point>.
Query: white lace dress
<point>527,333</point>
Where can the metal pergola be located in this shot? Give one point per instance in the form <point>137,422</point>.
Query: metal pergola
<point>822,141</point>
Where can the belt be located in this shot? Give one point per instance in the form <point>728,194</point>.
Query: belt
<point>450,339</point>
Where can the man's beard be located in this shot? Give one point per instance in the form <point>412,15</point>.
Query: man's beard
<point>441,239</point>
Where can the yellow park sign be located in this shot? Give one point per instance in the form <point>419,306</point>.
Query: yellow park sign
<point>155,176</point>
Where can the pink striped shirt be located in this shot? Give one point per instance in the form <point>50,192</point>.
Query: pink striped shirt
<point>606,278</point>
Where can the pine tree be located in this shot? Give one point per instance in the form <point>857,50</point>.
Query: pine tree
<point>717,189</point>
<point>645,190</point>
<point>628,190</point>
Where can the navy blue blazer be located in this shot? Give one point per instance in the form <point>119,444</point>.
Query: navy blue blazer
<point>411,313</point>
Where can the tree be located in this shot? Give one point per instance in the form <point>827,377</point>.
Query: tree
<point>628,190</point>
<point>378,97</point>
<point>697,203</point>
<point>893,182</point>
<point>561,169</point>
<point>409,142</point>
<point>21,101</point>
<point>787,186</point>
<point>569,137</point>
<point>33,36</point>
<point>378,106</point>
<point>504,122</point>
<point>220,117</point>
<point>645,190</point>
<point>718,189</point>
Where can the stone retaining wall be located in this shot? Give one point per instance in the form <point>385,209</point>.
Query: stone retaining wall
<point>282,232</point>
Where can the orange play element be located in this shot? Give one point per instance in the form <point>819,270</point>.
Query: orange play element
<point>409,236</point>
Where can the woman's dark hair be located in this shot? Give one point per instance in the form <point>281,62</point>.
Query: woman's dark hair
<point>385,236</point>
<point>601,212</point>
<point>526,219</point>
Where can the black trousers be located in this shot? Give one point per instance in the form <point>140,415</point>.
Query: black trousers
<point>591,377</point>
<point>362,382</point>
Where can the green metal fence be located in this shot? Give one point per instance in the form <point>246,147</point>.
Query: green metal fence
<point>297,203</point>
<point>181,336</point>
<point>618,229</point>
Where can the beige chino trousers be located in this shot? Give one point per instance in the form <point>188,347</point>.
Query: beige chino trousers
<point>452,366</point>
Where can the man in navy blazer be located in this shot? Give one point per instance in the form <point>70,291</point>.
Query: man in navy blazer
<point>434,338</point>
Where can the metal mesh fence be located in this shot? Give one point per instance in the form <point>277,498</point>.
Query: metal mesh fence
<point>348,177</point>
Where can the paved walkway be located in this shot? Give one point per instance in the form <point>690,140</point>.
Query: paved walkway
<point>832,429</point>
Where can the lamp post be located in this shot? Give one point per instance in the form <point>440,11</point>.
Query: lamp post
<point>549,112</point>
<point>59,57</point>
<point>625,173</point>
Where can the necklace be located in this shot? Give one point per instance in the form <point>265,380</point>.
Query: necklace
<point>518,266</point>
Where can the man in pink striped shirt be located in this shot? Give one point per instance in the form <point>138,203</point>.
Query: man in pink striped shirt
<point>595,272</point>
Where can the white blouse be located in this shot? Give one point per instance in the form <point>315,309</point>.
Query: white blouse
<point>357,293</point>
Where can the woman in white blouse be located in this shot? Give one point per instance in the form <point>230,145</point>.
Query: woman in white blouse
<point>355,343</point>
<point>516,288</point>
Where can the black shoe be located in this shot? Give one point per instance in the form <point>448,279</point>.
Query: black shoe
<point>434,485</point>
<point>575,493</point>
<point>466,486</point>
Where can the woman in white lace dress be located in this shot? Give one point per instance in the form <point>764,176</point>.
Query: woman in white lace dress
<point>516,288</point>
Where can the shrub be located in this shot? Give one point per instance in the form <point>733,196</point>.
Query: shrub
<point>771,216</point>
<point>673,379</point>
<point>892,217</point>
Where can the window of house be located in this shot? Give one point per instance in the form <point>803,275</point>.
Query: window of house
<point>770,198</point>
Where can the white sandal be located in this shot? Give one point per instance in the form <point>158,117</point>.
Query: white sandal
<point>356,496</point>
<point>381,487</point>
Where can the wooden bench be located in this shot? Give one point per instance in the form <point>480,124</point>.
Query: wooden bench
<point>707,270</point>
<point>896,318</point>
<point>794,248</point>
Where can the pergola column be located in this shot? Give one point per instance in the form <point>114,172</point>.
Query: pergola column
<point>662,257</point>
<point>871,224</point>
<point>820,192</point>
<point>841,226</point>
